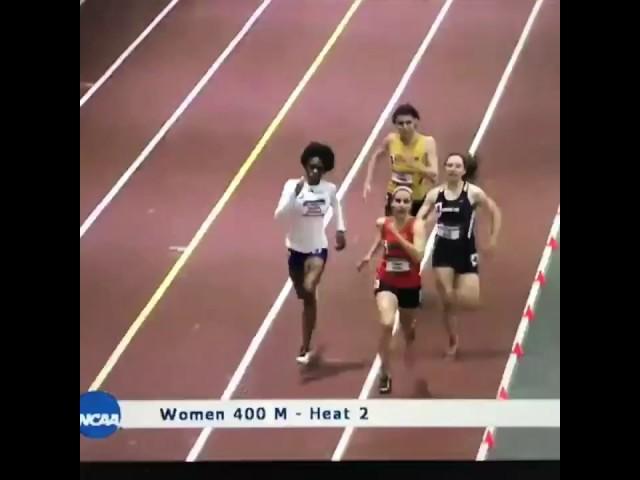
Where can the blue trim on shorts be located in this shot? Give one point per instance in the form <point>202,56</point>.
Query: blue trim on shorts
<point>297,259</point>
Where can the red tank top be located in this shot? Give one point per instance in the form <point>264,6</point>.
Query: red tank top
<point>397,268</point>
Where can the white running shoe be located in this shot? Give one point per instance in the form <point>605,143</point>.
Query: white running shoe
<point>304,358</point>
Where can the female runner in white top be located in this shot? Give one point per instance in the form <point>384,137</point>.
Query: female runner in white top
<point>303,205</point>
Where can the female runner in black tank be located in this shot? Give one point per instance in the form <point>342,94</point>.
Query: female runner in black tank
<point>455,257</point>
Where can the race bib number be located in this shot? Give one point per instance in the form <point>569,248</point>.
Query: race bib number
<point>397,265</point>
<point>402,178</point>
<point>314,208</point>
<point>448,232</point>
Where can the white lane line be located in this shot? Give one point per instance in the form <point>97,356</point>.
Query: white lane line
<point>123,56</point>
<point>277,305</point>
<point>172,120</point>
<point>375,367</point>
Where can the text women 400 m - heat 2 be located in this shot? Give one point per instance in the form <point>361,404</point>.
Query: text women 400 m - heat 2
<point>247,416</point>
<point>101,414</point>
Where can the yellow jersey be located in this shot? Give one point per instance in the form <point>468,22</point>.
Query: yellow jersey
<point>402,173</point>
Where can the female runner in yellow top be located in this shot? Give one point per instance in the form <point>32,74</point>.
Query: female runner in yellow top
<point>413,159</point>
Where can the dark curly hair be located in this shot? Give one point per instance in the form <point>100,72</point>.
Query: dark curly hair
<point>470,163</point>
<point>405,109</point>
<point>320,150</point>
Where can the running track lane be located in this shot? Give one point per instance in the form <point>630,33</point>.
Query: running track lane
<point>199,331</point>
<point>473,38</point>
<point>520,167</point>
<point>107,28</point>
<point>127,111</point>
<point>126,255</point>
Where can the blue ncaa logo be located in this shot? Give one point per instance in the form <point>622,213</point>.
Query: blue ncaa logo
<point>99,414</point>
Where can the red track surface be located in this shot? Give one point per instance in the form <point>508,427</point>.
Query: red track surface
<point>107,28</point>
<point>117,123</point>
<point>194,339</point>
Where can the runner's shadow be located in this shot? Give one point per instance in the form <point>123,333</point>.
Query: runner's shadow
<point>484,354</point>
<point>421,389</point>
<point>466,354</point>
<point>323,367</point>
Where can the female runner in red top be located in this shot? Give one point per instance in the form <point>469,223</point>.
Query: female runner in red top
<point>398,281</point>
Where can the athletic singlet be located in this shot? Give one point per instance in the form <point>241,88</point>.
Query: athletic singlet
<point>456,218</point>
<point>306,214</point>
<point>401,173</point>
<point>397,268</point>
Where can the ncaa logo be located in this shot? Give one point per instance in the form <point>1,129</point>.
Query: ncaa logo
<point>99,414</point>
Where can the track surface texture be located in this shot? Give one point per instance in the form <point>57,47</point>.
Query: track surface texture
<point>118,122</point>
<point>195,336</point>
<point>107,28</point>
